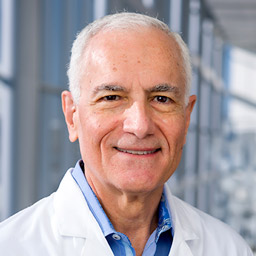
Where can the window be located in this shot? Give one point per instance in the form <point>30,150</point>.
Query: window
<point>6,18</point>
<point>6,38</point>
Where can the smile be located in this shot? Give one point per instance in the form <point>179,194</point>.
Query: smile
<point>137,152</point>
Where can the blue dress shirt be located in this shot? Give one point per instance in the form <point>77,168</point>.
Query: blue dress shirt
<point>160,241</point>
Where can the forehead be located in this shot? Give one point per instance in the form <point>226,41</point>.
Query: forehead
<point>141,41</point>
<point>142,50</point>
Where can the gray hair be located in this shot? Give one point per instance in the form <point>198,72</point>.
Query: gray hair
<point>124,20</point>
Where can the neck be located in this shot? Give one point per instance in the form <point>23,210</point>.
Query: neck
<point>134,215</point>
<point>128,212</point>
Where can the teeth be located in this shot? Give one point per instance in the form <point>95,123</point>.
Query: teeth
<point>135,152</point>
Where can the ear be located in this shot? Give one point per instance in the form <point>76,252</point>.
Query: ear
<point>188,111</point>
<point>70,110</point>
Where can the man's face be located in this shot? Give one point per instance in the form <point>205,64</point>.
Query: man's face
<point>131,120</point>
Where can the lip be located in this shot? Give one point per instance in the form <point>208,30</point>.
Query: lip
<point>138,152</point>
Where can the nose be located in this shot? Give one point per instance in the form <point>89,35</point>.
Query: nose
<point>138,120</point>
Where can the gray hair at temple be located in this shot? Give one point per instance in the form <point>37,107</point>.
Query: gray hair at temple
<point>124,20</point>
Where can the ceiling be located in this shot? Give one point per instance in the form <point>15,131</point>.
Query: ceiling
<point>236,21</point>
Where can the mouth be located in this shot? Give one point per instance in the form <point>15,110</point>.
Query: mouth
<point>137,152</point>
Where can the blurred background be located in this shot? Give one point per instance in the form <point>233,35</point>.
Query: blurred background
<point>218,170</point>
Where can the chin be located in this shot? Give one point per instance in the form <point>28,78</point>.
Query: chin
<point>139,187</point>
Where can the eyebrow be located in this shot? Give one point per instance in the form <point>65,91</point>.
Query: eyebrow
<point>165,88</point>
<point>107,87</point>
<point>157,88</point>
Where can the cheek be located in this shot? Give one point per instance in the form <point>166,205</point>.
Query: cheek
<point>176,134</point>
<point>89,129</point>
<point>89,123</point>
<point>94,129</point>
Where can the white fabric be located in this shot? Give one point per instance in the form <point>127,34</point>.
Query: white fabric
<point>62,224</point>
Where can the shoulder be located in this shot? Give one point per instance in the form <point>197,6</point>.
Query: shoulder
<point>26,227</point>
<point>205,222</point>
<point>62,220</point>
<point>32,216</point>
<point>32,227</point>
<point>42,207</point>
<point>207,231</point>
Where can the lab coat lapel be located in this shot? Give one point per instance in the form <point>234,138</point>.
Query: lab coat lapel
<point>75,220</point>
<point>182,250</point>
<point>92,247</point>
<point>184,232</point>
<point>71,208</point>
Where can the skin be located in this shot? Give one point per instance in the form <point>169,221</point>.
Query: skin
<point>131,122</point>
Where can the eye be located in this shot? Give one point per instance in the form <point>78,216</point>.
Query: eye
<point>162,99</point>
<point>111,98</point>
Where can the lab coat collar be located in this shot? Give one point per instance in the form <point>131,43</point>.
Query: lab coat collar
<point>72,212</point>
<point>70,215</point>
<point>74,218</point>
<point>183,220</point>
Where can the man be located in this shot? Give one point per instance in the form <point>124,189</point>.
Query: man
<point>129,107</point>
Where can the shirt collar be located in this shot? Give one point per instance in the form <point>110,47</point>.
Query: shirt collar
<point>164,216</point>
<point>91,199</point>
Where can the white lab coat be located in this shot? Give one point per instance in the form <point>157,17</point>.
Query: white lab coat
<point>62,224</point>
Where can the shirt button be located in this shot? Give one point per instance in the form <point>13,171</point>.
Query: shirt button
<point>116,237</point>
